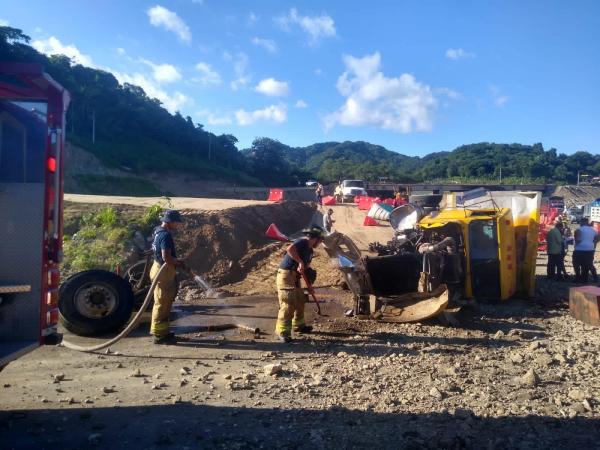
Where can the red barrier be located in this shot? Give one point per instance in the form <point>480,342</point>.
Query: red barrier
<point>370,222</point>
<point>275,195</point>
<point>389,201</point>
<point>366,202</point>
<point>329,200</point>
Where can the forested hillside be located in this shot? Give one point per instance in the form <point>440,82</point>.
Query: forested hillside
<point>132,130</point>
<point>136,134</point>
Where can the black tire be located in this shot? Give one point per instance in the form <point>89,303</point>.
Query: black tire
<point>426,200</point>
<point>94,302</point>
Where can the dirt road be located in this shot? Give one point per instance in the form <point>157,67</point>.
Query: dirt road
<point>204,204</point>
<point>514,374</point>
<point>352,384</point>
<point>348,220</point>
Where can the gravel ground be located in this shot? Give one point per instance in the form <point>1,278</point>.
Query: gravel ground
<point>515,374</point>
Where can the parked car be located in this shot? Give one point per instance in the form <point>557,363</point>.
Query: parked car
<point>311,183</point>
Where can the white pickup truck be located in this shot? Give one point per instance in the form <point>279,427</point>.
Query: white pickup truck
<point>352,188</point>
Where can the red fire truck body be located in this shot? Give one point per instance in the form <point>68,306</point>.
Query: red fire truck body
<point>32,136</point>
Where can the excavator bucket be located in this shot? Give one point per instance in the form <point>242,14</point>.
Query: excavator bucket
<point>413,307</point>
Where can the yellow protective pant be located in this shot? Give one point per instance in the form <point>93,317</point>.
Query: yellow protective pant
<point>291,302</point>
<point>164,294</point>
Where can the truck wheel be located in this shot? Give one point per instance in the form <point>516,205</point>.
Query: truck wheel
<point>94,302</point>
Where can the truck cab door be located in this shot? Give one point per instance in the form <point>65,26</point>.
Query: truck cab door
<point>483,258</point>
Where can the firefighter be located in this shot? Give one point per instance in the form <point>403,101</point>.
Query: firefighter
<point>289,292</point>
<point>166,287</point>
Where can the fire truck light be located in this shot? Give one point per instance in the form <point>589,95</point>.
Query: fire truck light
<point>52,164</point>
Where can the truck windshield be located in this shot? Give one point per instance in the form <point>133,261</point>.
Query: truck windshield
<point>22,141</point>
<point>354,183</point>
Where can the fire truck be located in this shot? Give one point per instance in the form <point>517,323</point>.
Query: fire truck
<point>32,124</point>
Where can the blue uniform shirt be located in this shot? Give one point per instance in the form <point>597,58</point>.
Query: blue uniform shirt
<point>162,241</point>
<point>304,251</point>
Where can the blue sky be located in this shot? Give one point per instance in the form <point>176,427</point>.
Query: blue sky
<point>415,76</point>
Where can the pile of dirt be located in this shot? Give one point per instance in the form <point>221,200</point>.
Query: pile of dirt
<point>224,246</point>
<point>261,280</point>
<point>577,195</point>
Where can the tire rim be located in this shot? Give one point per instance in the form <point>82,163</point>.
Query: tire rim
<point>96,301</point>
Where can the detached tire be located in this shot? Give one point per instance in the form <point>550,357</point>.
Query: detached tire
<point>94,302</point>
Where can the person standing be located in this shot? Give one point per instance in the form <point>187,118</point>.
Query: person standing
<point>164,252</point>
<point>583,255</point>
<point>319,194</point>
<point>292,298</point>
<point>567,240</point>
<point>554,246</point>
<point>327,220</point>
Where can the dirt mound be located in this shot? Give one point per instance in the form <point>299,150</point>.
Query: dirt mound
<point>224,246</point>
<point>577,195</point>
<point>261,280</point>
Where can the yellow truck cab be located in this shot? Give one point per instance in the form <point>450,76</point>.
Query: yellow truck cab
<point>488,248</point>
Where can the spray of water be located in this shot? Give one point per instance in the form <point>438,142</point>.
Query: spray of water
<point>209,292</point>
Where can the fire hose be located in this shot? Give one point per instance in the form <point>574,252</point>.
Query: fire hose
<point>136,319</point>
<point>128,329</point>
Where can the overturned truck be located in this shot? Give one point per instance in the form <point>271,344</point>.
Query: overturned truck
<point>467,250</point>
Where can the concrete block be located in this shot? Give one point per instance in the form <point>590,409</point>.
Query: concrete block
<point>584,304</point>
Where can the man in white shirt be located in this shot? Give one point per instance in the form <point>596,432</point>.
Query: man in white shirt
<point>583,255</point>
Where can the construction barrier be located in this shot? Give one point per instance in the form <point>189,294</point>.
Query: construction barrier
<point>275,195</point>
<point>380,211</point>
<point>370,222</point>
<point>329,200</point>
<point>366,202</point>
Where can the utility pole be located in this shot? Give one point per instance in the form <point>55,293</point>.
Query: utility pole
<point>578,178</point>
<point>94,127</point>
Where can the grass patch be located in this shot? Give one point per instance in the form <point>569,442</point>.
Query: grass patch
<point>101,238</point>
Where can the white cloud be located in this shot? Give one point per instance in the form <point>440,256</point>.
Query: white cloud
<point>301,104</point>
<point>162,17</point>
<point>214,118</point>
<point>4,23</point>
<point>240,65</point>
<point>318,72</point>
<point>267,44</point>
<point>401,104</point>
<point>208,76</point>
<point>450,93</point>
<point>271,113</point>
<point>498,98</point>
<point>252,18</point>
<point>458,53</point>
<point>53,46</point>
<point>198,2</point>
<point>172,102</point>
<point>272,87</point>
<point>316,27</point>
<point>121,51</point>
<point>163,73</point>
